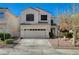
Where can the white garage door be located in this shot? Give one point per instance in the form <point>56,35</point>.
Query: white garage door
<point>34,33</point>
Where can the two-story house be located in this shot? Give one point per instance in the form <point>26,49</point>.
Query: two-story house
<point>35,23</point>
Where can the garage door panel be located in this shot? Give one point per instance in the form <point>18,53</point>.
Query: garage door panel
<point>34,34</point>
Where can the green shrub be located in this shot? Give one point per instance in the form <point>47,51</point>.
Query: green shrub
<point>65,34</point>
<point>51,35</point>
<point>68,35</point>
<point>9,41</point>
<point>2,36</point>
<point>7,36</point>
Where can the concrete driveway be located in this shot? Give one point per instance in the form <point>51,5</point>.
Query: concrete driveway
<point>33,47</point>
<point>36,47</point>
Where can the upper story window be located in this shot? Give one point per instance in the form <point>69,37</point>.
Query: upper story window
<point>43,17</point>
<point>30,17</point>
<point>1,14</point>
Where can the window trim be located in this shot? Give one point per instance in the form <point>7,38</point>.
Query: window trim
<point>42,18</point>
<point>30,17</point>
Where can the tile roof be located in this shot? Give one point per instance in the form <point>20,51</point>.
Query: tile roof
<point>38,9</point>
<point>34,9</point>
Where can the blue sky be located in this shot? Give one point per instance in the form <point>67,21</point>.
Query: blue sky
<point>16,8</point>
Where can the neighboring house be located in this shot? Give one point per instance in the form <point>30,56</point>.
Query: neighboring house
<point>13,24</point>
<point>35,23</point>
<point>3,20</point>
<point>8,22</point>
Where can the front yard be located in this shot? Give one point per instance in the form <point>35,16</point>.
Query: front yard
<point>7,43</point>
<point>6,40</point>
<point>2,44</point>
